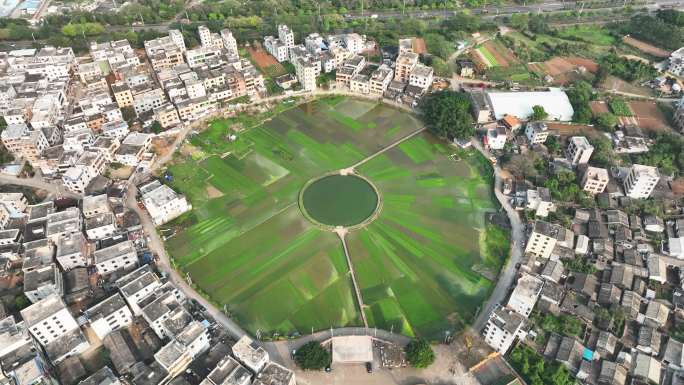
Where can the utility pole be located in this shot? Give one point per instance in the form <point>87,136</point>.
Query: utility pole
<point>403,7</point>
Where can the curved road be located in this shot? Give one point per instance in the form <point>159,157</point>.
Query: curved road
<point>508,271</point>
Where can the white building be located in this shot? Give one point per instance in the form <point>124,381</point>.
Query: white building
<point>15,203</point>
<point>579,150</point>
<point>72,251</point>
<point>162,203</point>
<point>100,226</point>
<point>95,204</point>
<point>540,201</point>
<point>285,35</point>
<point>554,101</point>
<point>228,371</point>
<point>354,43</point>
<point>595,180</point>
<point>544,238</point>
<point>109,315</point>
<point>195,338</point>
<point>138,285</point>
<point>503,328</point>
<point>307,70</point>
<point>48,320</point>
<point>496,138</point>
<point>525,294</point>
<point>276,48</point>
<point>641,181</point>
<point>115,129</point>
<point>121,256</point>
<point>421,76</point>
<point>162,306</point>
<point>250,354</point>
<point>536,132</point>
<point>676,62</point>
<point>229,42</point>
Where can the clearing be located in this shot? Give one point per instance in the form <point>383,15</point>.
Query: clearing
<point>645,47</point>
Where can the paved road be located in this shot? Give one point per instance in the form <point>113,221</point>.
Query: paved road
<point>508,272</point>
<point>55,188</point>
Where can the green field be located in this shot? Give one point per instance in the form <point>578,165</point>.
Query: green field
<point>488,55</point>
<point>592,34</point>
<point>247,245</point>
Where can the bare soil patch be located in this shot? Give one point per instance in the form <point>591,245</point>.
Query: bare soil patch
<point>598,107</point>
<point>266,63</point>
<point>504,56</point>
<point>645,47</point>
<point>213,192</point>
<point>419,45</point>
<point>574,129</point>
<point>649,116</point>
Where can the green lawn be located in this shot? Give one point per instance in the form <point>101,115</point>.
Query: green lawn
<point>247,245</point>
<point>592,34</point>
<point>619,107</point>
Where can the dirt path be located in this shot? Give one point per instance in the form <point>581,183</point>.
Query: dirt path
<point>342,232</point>
<point>389,147</point>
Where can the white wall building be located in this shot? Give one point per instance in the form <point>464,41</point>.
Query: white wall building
<point>162,203</point>
<point>595,180</point>
<point>121,256</point>
<point>503,328</point>
<point>138,285</point>
<point>536,132</point>
<point>48,319</point>
<point>421,76</point>
<point>72,251</point>
<point>109,315</point>
<point>641,181</point>
<point>579,150</point>
<point>525,294</point>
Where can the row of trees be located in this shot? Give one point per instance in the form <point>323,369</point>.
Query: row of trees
<point>665,29</point>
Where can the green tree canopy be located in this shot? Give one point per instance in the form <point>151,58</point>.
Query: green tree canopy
<point>419,353</point>
<point>156,127</point>
<point>312,356</point>
<point>538,113</point>
<point>447,114</point>
<point>607,121</point>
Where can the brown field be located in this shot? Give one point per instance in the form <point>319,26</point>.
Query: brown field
<point>617,84</point>
<point>419,45</point>
<point>504,56</point>
<point>645,47</point>
<point>598,107</point>
<point>649,116</point>
<point>478,60</point>
<point>266,63</point>
<point>563,69</point>
<point>574,129</point>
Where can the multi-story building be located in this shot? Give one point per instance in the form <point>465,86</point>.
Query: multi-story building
<point>496,138</point>
<point>360,84</point>
<point>536,132</point>
<point>307,69</point>
<point>203,55</point>
<point>503,328</point>
<point>48,320</point>
<point>133,148</point>
<point>109,315</point>
<point>250,354</point>
<point>405,63</point>
<point>354,43</point>
<point>228,371</point>
<point>115,129</point>
<point>138,285</point>
<point>276,48</point>
<point>641,181</point>
<point>544,238</point>
<point>162,203</point>
<point>148,100</point>
<point>119,257</point>
<point>167,116</point>
<point>421,76</point>
<point>23,142</point>
<point>285,35</point>
<point>72,251</point>
<point>122,94</point>
<point>380,79</point>
<point>42,283</point>
<point>100,226</point>
<point>314,43</point>
<point>229,42</point>
<point>525,295</point>
<point>350,68</point>
<point>676,62</point>
<point>595,180</point>
<point>579,150</point>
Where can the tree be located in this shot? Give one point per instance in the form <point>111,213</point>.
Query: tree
<point>156,127</point>
<point>419,353</point>
<point>312,356</point>
<point>607,121</point>
<point>538,113</point>
<point>447,114</point>
<point>128,113</point>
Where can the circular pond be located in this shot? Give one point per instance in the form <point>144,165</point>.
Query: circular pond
<point>339,200</point>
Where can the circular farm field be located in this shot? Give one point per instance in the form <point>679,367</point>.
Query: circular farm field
<point>422,261</point>
<point>339,200</point>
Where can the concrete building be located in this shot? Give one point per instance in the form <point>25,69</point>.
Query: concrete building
<point>641,181</point>
<point>276,48</point>
<point>307,70</point>
<point>167,116</point>
<point>250,354</point>
<point>72,251</point>
<point>43,283</point>
<point>229,42</point>
<point>496,138</point>
<point>23,142</point>
<point>404,66</point>
<point>109,315</point>
<point>380,79</point>
<point>100,226</point>
<point>503,328</point>
<point>48,320</point>
<point>275,374</point>
<point>579,150</point>
<point>525,295</point>
<point>554,101</point>
<point>285,35</point>
<point>544,237</point>
<point>119,257</point>
<point>595,180</point>
<point>163,305</point>
<point>94,205</point>
<point>421,76</point>
<point>540,201</point>
<point>228,371</point>
<point>536,132</point>
<point>162,203</point>
<point>138,285</point>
